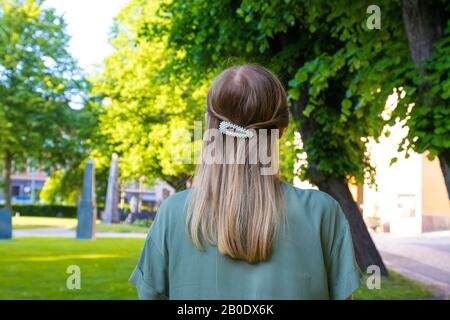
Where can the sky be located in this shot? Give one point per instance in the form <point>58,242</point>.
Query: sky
<point>89,23</point>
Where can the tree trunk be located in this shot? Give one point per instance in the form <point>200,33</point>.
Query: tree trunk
<point>365,250</point>
<point>444,160</point>
<point>424,25</point>
<point>7,185</point>
<point>425,22</point>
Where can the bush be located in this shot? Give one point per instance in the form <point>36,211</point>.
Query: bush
<point>37,210</point>
<point>142,223</point>
<point>30,210</point>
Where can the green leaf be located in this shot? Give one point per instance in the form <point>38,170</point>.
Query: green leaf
<point>310,108</point>
<point>393,160</point>
<point>301,76</point>
<point>346,105</point>
<point>294,93</point>
<point>249,47</point>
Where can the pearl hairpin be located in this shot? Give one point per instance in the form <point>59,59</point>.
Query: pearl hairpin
<point>233,130</point>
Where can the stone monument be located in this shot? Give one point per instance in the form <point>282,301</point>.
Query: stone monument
<point>112,193</point>
<point>5,224</point>
<point>87,209</point>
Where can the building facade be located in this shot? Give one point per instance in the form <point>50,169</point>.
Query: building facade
<point>411,196</point>
<point>139,195</point>
<point>26,187</point>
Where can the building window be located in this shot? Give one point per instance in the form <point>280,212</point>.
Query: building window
<point>16,191</point>
<point>406,205</point>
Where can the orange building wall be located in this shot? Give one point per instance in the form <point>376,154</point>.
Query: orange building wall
<point>435,202</point>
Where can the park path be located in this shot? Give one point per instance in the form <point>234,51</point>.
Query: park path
<point>70,233</point>
<point>424,258</point>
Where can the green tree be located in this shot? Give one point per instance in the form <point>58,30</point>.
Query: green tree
<point>427,25</point>
<point>336,70</point>
<point>146,115</point>
<point>65,181</point>
<point>39,81</point>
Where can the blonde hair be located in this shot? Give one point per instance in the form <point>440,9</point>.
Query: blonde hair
<point>232,205</point>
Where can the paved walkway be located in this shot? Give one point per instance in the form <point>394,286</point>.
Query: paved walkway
<point>425,258</point>
<point>70,233</point>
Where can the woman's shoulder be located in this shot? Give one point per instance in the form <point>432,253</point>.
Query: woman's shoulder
<point>170,211</point>
<point>312,205</point>
<point>308,197</point>
<point>175,201</point>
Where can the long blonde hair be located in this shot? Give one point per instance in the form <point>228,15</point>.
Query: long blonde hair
<point>232,205</point>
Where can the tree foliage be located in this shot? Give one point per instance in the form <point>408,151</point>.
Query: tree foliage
<point>147,115</point>
<point>428,118</point>
<point>323,52</point>
<point>39,81</point>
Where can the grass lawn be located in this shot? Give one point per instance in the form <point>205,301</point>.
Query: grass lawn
<point>395,286</point>
<point>43,222</point>
<point>121,227</point>
<point>35,268</point>
<point>50,222</point>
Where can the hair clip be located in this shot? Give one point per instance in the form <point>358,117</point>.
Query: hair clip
<point>233,130</point>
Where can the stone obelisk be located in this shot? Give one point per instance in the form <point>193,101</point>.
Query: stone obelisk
<point>5,224</point>
<point>87,209</point>
<point>112,193</point>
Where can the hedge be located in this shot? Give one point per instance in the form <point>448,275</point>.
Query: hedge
<point>45,210</point>
<point>37,210</point>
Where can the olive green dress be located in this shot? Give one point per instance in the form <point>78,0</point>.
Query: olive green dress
<point>312,258</point>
